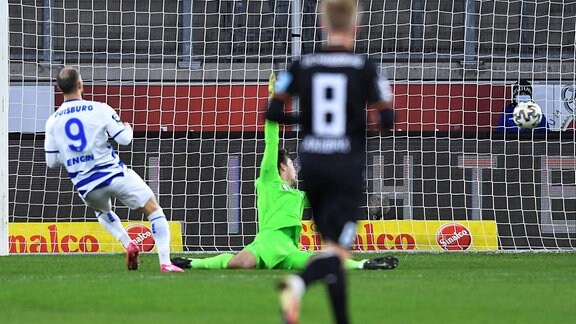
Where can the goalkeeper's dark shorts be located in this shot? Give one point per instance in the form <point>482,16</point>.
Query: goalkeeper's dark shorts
<point>334,185</point>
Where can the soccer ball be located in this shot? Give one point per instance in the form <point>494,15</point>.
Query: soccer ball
<point>527,115</point>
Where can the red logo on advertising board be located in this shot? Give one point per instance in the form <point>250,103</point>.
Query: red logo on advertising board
<point>142,236</point>
<point>55,243</point>
<point>373,241</point>
<point>454,237</point>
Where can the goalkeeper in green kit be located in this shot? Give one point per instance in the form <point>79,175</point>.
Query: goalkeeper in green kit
<point>280,207</point>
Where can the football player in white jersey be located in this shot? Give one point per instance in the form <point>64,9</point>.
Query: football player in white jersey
<point>77,139</point>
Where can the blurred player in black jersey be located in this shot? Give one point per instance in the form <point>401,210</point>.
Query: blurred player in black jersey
<point>335,87</point>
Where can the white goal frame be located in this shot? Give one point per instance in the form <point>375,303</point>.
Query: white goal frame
<point>191,77</point>
<point>4,84</point>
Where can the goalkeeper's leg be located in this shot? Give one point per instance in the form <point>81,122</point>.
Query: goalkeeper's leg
<point>298,260</point>
<point>216,262</point>
<point>242,260</point>
<point>349,264</point>
<point>382,263</point>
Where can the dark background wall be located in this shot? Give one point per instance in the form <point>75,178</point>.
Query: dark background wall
<point>515,182</point>
<point>148,40</point>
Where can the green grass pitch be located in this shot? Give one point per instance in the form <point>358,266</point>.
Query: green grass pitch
<point>426,288</point>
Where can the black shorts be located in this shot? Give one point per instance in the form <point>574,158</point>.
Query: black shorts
<point>334,185</point>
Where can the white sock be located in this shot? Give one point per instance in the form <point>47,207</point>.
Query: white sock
<point>161,234</point>
<point>298,285</point>
<point>111,223</point>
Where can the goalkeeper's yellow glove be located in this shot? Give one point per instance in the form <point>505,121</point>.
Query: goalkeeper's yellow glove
<point>271,82</point>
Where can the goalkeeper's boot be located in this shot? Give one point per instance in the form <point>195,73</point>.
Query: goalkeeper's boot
<point>170,268</point>
<point>383,263</point>
<point>290,299</point>
<point>183,263</point>
<point>132,252</point>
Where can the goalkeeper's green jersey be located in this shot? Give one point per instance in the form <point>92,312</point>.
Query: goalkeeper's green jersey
<point>279,205</point>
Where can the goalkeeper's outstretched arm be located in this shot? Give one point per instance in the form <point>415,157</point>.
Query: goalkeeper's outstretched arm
<point>277,97</point>
<point>380,98</point>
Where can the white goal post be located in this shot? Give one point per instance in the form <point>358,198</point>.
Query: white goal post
<point>191,77</point>
<point>4,76</point>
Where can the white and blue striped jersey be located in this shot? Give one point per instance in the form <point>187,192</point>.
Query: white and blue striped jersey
<point>77,138</point>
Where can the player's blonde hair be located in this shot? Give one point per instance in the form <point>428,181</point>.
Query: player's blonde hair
<point>339,15</point>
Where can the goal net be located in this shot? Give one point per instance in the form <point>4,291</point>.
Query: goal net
<point>192,78</point>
